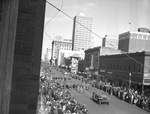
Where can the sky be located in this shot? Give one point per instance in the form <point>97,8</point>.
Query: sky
<point>110,17</point>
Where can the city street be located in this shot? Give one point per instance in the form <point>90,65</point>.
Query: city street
<point>116,106</point>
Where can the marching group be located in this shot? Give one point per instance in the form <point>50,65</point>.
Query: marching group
<point>54,100</point>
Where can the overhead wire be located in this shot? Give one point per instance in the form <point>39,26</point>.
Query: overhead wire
<point>95,34</point>
<point>52,19</point>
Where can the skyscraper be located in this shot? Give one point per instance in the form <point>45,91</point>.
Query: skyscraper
<point>81,38</point>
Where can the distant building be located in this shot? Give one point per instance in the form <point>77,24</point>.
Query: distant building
<point>70,59</point>
<point>134,42</point>
<point>81,38</point>
<point>66,54</point>
<point>92,58</point>
<point>60,45</point>
<point>47,55</point>
<point>118,68</point>
<point>110,41</point>
<point>67,40</point>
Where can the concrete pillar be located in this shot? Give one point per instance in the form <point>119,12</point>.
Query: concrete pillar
<point>21,38</point>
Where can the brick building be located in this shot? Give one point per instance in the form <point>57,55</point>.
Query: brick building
<point>21,36</point>
<point>134,42</point>
<point>92,58</point>
<point>120,68</point>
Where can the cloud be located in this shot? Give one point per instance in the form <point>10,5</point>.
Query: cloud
<point>73,8</point>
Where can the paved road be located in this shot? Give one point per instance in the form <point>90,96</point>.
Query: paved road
<point>116,106</point>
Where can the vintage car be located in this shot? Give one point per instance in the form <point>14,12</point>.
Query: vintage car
<point>100,98</point>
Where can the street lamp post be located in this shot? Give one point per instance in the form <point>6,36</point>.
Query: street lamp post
<point>65,77</point>
<point>129,80</point>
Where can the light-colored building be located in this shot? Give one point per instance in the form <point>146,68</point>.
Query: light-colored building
<point>67,53</point>
<point>81,38</point>
<point>134,42</point>
<point>72,58</point>
<point>60,45</point>
<point>110,41</point>
<point>47,55</point>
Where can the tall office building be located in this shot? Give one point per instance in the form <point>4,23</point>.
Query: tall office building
<point>110,41</point>
<point>81,38</point>
<point>134,42</point>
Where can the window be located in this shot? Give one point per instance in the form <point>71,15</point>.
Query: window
<point>107,66</point>
<point>120,66</point>
<point>117,67</point>
<point>110,65</point>
<point>129,68</point>
<point>139,68</point>
<point>103,66</point>
<point>134,68</point>
<point>113,66</point>
<point>125,67</point>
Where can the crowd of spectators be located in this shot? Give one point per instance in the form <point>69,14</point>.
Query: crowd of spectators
<point>129,95</point>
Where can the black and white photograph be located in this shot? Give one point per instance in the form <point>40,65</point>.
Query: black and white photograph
<point>74,56</point>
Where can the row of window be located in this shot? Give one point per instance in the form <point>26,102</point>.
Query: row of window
<point>131,67</point>
<point>140,36</point>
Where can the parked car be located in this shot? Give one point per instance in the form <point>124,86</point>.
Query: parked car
<point>100,98</point>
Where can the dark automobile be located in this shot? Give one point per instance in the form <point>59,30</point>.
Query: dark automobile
<point>100,98</point>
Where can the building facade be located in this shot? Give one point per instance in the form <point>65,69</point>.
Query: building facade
<point>66,54</point>
<point>134,42</point>
<point>92,58</point>
<point>110,41</point>
<point>121,68</point>
<point>81,38</point>
<point>47,55</point>
<point>60,45</point>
